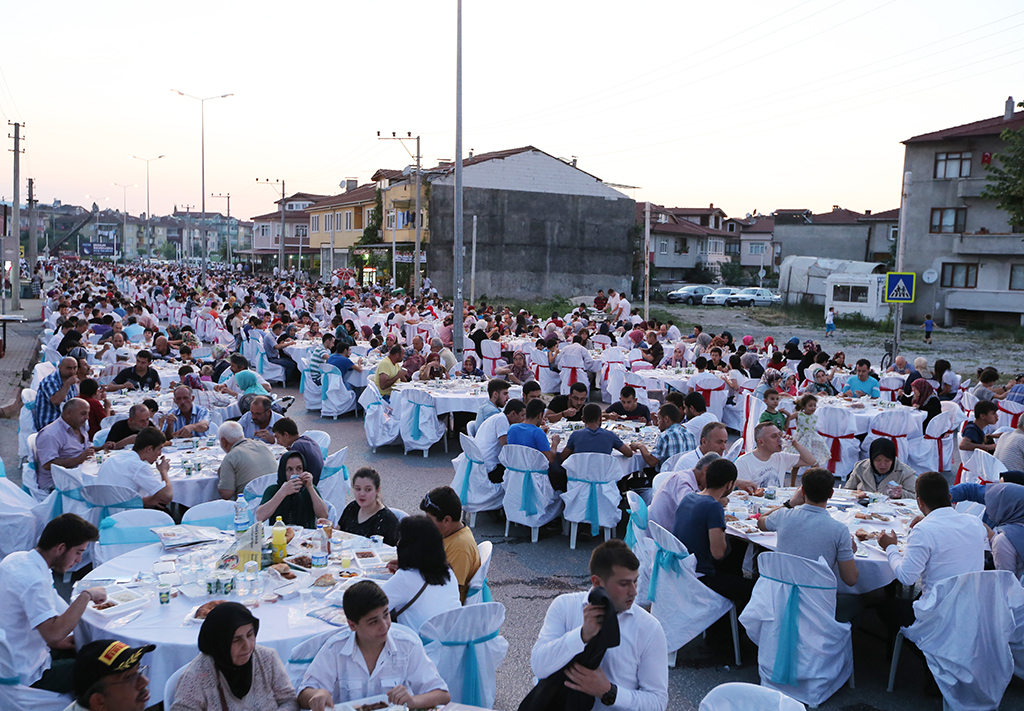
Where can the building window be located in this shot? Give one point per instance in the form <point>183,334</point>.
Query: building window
<point>849,293</point>
<point>664,246</point>
<point>348,220</point>
<point>301,231</point>
<point>389,220</point>
<point>732,226</point>
<point>367,213</point>
<point>1017,277</point>
<point>757,248</point>
<point>314,223</point>
<point>264,230</point>
<point>952,165</point>
<point>329,222</point>
<point>682,246</point>
<point>948,219</point>
<point>960,276</point>
<point>894,232</point>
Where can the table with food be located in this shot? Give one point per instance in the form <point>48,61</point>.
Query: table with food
<point>628,432</point>
<point>457,395</point>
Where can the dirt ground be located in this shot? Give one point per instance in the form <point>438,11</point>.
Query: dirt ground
<point>965,350</point>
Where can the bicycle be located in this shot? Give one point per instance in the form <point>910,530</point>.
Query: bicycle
<point>887,355</point>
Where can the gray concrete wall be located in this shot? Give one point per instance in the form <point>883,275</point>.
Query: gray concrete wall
<point>531,244</point>
<point>829,241</point>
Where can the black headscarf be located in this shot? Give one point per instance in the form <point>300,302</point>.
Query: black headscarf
<point>297,508</point>
<point>886,448</point>
<point>215,640</point>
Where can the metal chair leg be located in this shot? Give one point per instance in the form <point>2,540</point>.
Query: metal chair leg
<point>895,659</point>
<point>733,622</point>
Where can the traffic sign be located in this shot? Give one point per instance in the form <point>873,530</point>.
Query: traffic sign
<point>899,287</point>
<point>761,273</point>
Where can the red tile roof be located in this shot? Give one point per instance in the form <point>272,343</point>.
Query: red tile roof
<point>695,211</point>
<point>363,194</point>
<point>386,174</point>
<point>987,127</point>
<point>886,216</point>
<point>837,216</point>
<point>761,224</point>
<point>311,197</point>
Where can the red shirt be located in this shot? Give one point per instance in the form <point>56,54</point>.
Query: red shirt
<point>96,414</point>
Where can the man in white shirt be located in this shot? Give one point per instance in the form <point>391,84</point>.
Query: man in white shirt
<point>697,415</point>
<point>370,658</point>
<point>632,675</point>
<point>490,436</point>
<point>942,544</point>
<point>38,624</point>
<point>671,487</point>
<point>673,332</point>
<point>259,421</point>
<point>767,465</point>
<point>621,311</point>
<point>133,469</point>
<point>577,349</point>
<point>115,350</point>
<point>713,438</point>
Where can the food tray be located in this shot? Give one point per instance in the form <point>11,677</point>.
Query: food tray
<point>124,600</point>
<point>745,528</point>
<point>358,703</point>
<point>366,558</point>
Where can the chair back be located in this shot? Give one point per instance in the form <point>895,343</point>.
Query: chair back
<point>734,451</point>
<point>478,589</point>
<point>714,390</point>
<point>466,647</point>
<point>1009,413</point>
<point>938,443</point>
<point>635,356</point>
<point>26,421</point>
<point>602,342</point>
<point>126,531</point>
<point>636,527</point>
<point>836,427</point>
<point>253,491</point>
<point>105,499</point>
<point>302,656</point>
<point>322,439</point>
<point>571,370</point>
<point>982,468</point>
<point>890,386</point>
<point>740,696</point>
<point>476,491</point>
<point>639,383</point>
<point>895,425</point>
<point>67,494</point>
<point>100,438</point>
<point>593,492</point>
<point>379,423</point>
<point>753,408</point>
<point>529,499</point>
<point>18,523</point>
<point>491,355</point>
<point>218,514</point>
<point>335,481</point>
<point>16,695</point>
<point>338,398</point>
<point>967,401</point>
<point>171,687</point>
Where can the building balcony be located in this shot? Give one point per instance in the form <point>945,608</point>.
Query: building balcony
<point>970,187</point>
<point>1000,244</point>
<point>986,300</point>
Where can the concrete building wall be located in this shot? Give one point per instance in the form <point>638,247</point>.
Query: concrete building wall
<point>817,240</point>
<point>533,244</point>
<point>531,171</point>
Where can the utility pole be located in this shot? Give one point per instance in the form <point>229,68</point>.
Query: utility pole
<point>647,261</point>
<point>472,267</point>
<point>149,230</point>
<point>228,197</point>
<point>458,251</point>
<point>280,247</point>
<point>15,230</point>
<point>32,252</point>
<point>416,256</point>
<point>187,250</point>
<point>908,179</point>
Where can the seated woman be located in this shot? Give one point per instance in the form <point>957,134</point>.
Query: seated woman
<point>519,371</point>
<point>232,672</point>
<point>770,380</point>
<point>423,585</point>
<point>820,385</point>
<point>352,664</point>
<point>294,497</point>
<point>433,369</point>
<point>244,382</point>
<point>925,400</point>
<point>678,357</point>
<point>367,515</point>
<point>1004,505</point>
<point>469,369</point>
<point>874,473</point>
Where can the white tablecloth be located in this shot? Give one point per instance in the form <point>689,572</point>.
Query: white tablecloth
<point>447,401</point>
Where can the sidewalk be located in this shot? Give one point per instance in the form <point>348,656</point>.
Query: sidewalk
<point>21,349</point>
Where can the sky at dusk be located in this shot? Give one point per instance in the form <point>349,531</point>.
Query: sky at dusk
<point>747,105</point>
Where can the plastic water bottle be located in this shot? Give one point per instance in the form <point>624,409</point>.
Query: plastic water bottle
<point>241,515</point>
<point>320,547</point>
<point>279,541</point>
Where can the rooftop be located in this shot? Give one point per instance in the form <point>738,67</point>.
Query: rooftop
<point>986,127</point>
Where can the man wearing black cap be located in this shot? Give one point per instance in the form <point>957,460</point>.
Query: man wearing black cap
<point>108,677</point>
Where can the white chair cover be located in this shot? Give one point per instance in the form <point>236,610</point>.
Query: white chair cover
<point>466,647</point>
<point>679,600</point>
<point>302,656</point>
<point>100,438</point>
<point>714,390</point>
<point>322,439</point>
<point>734,450</point>
<point>253,492</point>
<point>312,393</point>
<point>104,500</point>
<point>934,452</point>
<point>638,538</point>
<point>16,695</point>
<point>732,414</point>
<point>492,354</point>
<point>28,474</point>
<point>379,423</point>
<point>897,425</point>
<point>26,424</point>
<point>475,490</point>
<point>982,468</point>
<point>601,342</point>
<point>635,357</point>
<point>836,427</point>
<point>753,409</point>
<point>738,696</point>
<point>126,531</point>
<point>420,426</point>
<point>335,482</point>
<point>66,496</point>
<point>969,654</point>
<point>611,358</point>
<point>967,403</point>
<point>571,371</point>
<point>529,499</point>
<point>18,524</point>
<point>549,382</point>
<point>1009,413</point>
<point>593,493</point>
<point>478,591</point>
<point>271,371</point>
<point>639,384</point>
<point>802,650</point>
<point>890,387</point>
<point>338,398</point>
<point>218,514</point>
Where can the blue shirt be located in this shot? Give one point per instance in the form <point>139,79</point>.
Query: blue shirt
<point>198,415</point>
<point>45,411</point>
<point>599,441</point>
<point>869,386</point>
<point>970,492</point>
<point>529,436</point>
<point>342,363</point>
<point>929,325</point>
<point>696,516</point>
<point>488,409</point>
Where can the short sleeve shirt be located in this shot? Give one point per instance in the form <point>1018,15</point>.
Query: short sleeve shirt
<point>150,380</point>
<point>809,532</point>
<point>769,473</point>
<point>26,586</point>
<point>386,369</point>
<point>696,516</point>
<point>487,436</point>
<point>600,441</point>
<point>248,459</point>
<point>672,441</point>
<point>640,412</point>
<point>528,436</point>
<point>127,469</point>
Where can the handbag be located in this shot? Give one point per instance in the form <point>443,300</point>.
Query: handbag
<point>394,614</point>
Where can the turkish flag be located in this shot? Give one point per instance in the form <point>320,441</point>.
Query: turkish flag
<point>986,158</point>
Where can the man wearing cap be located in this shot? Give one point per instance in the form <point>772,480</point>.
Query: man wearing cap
<point>108,677</point>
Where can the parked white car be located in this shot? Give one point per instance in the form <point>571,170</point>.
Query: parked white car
<point>717,298</point>
<point>752,296</point>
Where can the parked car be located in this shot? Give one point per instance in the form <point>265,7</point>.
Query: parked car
<point>692,294</point>
<point>752,296</point>
<point>718,296</point>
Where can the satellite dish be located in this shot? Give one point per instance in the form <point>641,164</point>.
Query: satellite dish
<point>930,276</point>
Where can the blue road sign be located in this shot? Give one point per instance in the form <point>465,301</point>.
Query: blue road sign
<point>899,287</point>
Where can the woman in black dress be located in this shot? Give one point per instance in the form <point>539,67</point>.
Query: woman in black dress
<point>367,515</point>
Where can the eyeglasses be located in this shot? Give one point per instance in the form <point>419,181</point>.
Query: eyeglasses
<point>428,504</point>
<point>143,670</point>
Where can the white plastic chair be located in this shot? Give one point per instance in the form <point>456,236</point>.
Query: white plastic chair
<point>26,425</point>
<point>836,427</point>
<point>593,494</point>
<point>219,514</point>
<point>302,656</point>
<point>29,483</point>
<point>549,382</point>
<point>477,590</point>
<point>18,524</point>
<point>476,491</point>
<point>467,649</point>
<point>639,384</point>
<point>312,393</point>
<point>890,387</point>
<point>338,398</point>
<point>638,538</point>
<point>714,390</point>
<point>126,531</point>
<point>21,696</point>
<point>171,687</point>
<point>896,425</point>
<point>571,371</point>
<point>491,355</point>
<point>610,358</point>
<point>379,423</point>
<point>969,655</point>
<point>679,600</point>
<point>253,492</point>
<point>739,696</point>
<point>322,439</point>
<point>801,649</point>
<point>419,425</point>
<point>271,371</point>
<point>1009,413</point>
<point>100,438</point>
<point>529,499</point>
<point>934,452</point>
<point>981,468</point>
<point>334,482</point>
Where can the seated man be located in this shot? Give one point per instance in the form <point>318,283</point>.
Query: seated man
<point>244,460</point>
<point>286,433</point>
<point>186,419</point>
<point>370,658</point>
<point>593,437</point>
<point>390,372</point>
<point>1009,450</point>
<point>133,469</point>
<point>627,408</point>
<point>673,486</point>
<point>55,389</point>
<point>140,377</point>
<point>492,436</point>
<point>531,391</point>
<point>899,366</point>
<point>632,676</point>
<point>442,506</point>
<point>696,412</point>
<point>108,677</point>
<point>768,465</point>
<point>674,438</point>
<point>114,350</point>
<point>986,415</point>
<point>64,442</point>
<point>497,396</point>
<point>569,407</point>
<point>863,384</point>
<point>123,432</point>
<point>341,359</point>
<point>38,624</point>
<point>713,438</point>
<point>529,434</point>
<point>258,422</point>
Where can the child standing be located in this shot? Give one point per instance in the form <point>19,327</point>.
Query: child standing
<point>928,327</point>
<point>830,322</point>
<point>806,431</point>
<point>772,414</point>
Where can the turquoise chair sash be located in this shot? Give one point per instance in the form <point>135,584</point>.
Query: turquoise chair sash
<point>485,591</point>
<point>664,559</point>
<point>328,472</point>
<point>135,503</point>
<point>464,489</point>
<point>472,693</point>
<point>414,427</point>
<point>58,500</point>
<point>10,680</point>
<point>785,671</point>
<point>112,534</point>
<point>637,519</point>
<point>528,505</point>
<point>222,523</point>
<point>593,513</point>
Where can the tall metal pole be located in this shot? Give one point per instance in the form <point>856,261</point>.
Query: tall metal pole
<point>124,225</point>
<point>280,252</point>
<point>908,179</point>
<point>228,196</point>
<point>647,261</point>
<point>416,257</point>
<point>394,248</point>
<point>15,230</point>
<point>472,267</point>
<point>149,228</point>
<point>458,331</point>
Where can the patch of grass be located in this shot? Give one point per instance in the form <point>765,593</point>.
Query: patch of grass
<point>808,315</point>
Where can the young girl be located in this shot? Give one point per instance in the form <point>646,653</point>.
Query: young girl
<point>806,430</point>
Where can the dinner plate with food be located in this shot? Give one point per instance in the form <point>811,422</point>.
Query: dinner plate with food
<point>198,614</point>
<point>370,703</point>
<point>119,601</point>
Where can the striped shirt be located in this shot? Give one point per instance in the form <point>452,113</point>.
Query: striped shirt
<point>672,441</point>
<point>317,357</point>
<point>45,411</point>
<point>198,415</point>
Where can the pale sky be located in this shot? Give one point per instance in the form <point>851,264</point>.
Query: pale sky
<point>747,105</point>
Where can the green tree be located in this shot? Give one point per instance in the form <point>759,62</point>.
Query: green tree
<point>1006,183</point>
<point>371,233</point>
<point>169,250</point>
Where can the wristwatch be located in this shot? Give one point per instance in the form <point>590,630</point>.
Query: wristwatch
<point>608,698</point>
<point>787,504</point>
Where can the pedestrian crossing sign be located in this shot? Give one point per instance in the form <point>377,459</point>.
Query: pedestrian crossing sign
<point>899,287</point>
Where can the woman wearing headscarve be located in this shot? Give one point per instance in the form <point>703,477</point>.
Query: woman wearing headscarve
<point>248,384</point>
<point>294,497</point>
<point>925,400</point>
<point>752,365</point>
<point>1004,505</point>
<point>519,372</point>
<point>678,357</point>
<point>770,379</point>
<point>232,672</point>
<point>874,473</point>
<point>704,341</point>
<point>792,349</point>
<point>433,368</point>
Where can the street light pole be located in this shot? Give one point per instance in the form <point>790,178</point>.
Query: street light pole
<point>228,196</point>
<point>458,332</point>
<point>149,230</point>
<point>202,133</point>
<point>124,224</point>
